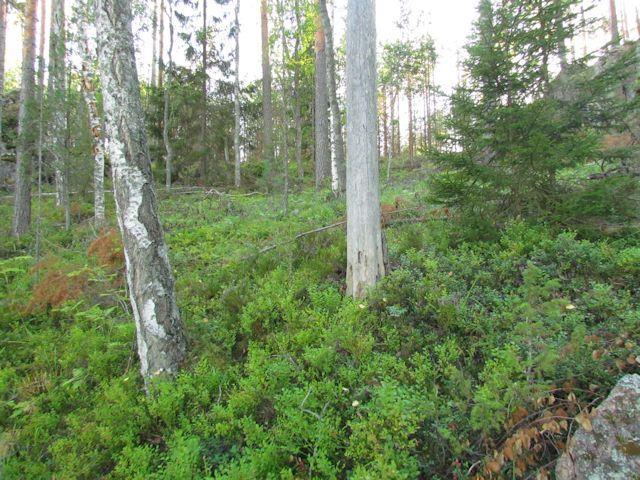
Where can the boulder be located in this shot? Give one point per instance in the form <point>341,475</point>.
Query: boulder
<point>611,449</point>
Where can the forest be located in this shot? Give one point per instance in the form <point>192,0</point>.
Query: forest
<point>298,239</point>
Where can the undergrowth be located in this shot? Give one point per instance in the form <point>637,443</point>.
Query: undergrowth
<point>470,360</point>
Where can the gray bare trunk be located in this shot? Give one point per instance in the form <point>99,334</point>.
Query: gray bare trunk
<point>3,39</point>
<point>203,125</point>
<point>56,105</point>
<point>336,117</point>
<point>27,125</point>
<point>154,41</point>
<point>297,113</point>
<point>165,115</point>
<point>323,151</point>
<point>267,105</point>
<point>365,248</point>
<point>160,336</point>
<point>161,47</point>
<point>236,103</point>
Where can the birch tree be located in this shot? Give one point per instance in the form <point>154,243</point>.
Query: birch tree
<point>27,125</point>
<point>323,152</point>
<point>365,250</point>
<point>236,100</point>
<point>89,95</point>
<point>160,336</point>
<point>56,105</point>
<point>338,162</point>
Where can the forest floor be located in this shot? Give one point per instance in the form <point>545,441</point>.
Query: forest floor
<point>472,359</point>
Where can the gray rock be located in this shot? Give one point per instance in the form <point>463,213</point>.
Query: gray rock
<point>611,451</point>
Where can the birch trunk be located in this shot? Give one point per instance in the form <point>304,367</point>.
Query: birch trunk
<point>336,117</point>
<point>267,106</point>
<point>56,105</point>
<point>27,125</point>
<point>321,111</point>
<point>89,95</point>
<point>236,103</point>
<point>160,336</point>
<point>166,111</point>
<point>365,250</point>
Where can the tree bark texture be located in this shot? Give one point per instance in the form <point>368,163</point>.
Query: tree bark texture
<point>160,336</point>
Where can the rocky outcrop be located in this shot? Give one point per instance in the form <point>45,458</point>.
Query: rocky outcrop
<point>610,448</point>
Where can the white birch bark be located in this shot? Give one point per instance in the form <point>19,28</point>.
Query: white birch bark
<point>338,164</point>
<point>56,105</point>
<point>160,336</point>
<point>89,95</point>
<point>365,251</point>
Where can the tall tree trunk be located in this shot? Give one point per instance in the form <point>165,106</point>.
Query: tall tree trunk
<point>154,42</point>
<point>385,123</point>
<point>297,108</point>
<point>160,336</point>
<point>267,106</point>
<point>89,94</point>
<point>615,33</point>
<point>285,86</point>
<point>365,246</point>
<point>3,39</point>
<point>236,102</point>
<point>168,161</point>
<point>323,152</point>
<point>27,125</point>
<point>56,105</point>
<point>338,141</point>
<point>161,48</point>
<point>411,117</point>
<point>205,78</point>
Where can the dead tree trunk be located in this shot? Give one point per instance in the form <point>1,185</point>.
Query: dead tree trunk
<point>365,246</point>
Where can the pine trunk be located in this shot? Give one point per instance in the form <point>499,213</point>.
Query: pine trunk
<point>365,250</point>
<point>615,33</point>
<point>3,39</point>
<point>27,125</point>
<point>236,103</point>
<point>168,161</point>
<point>160,336</point>
<point>297,108</point>
<point>267,106</point>
<point>323,152</point>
